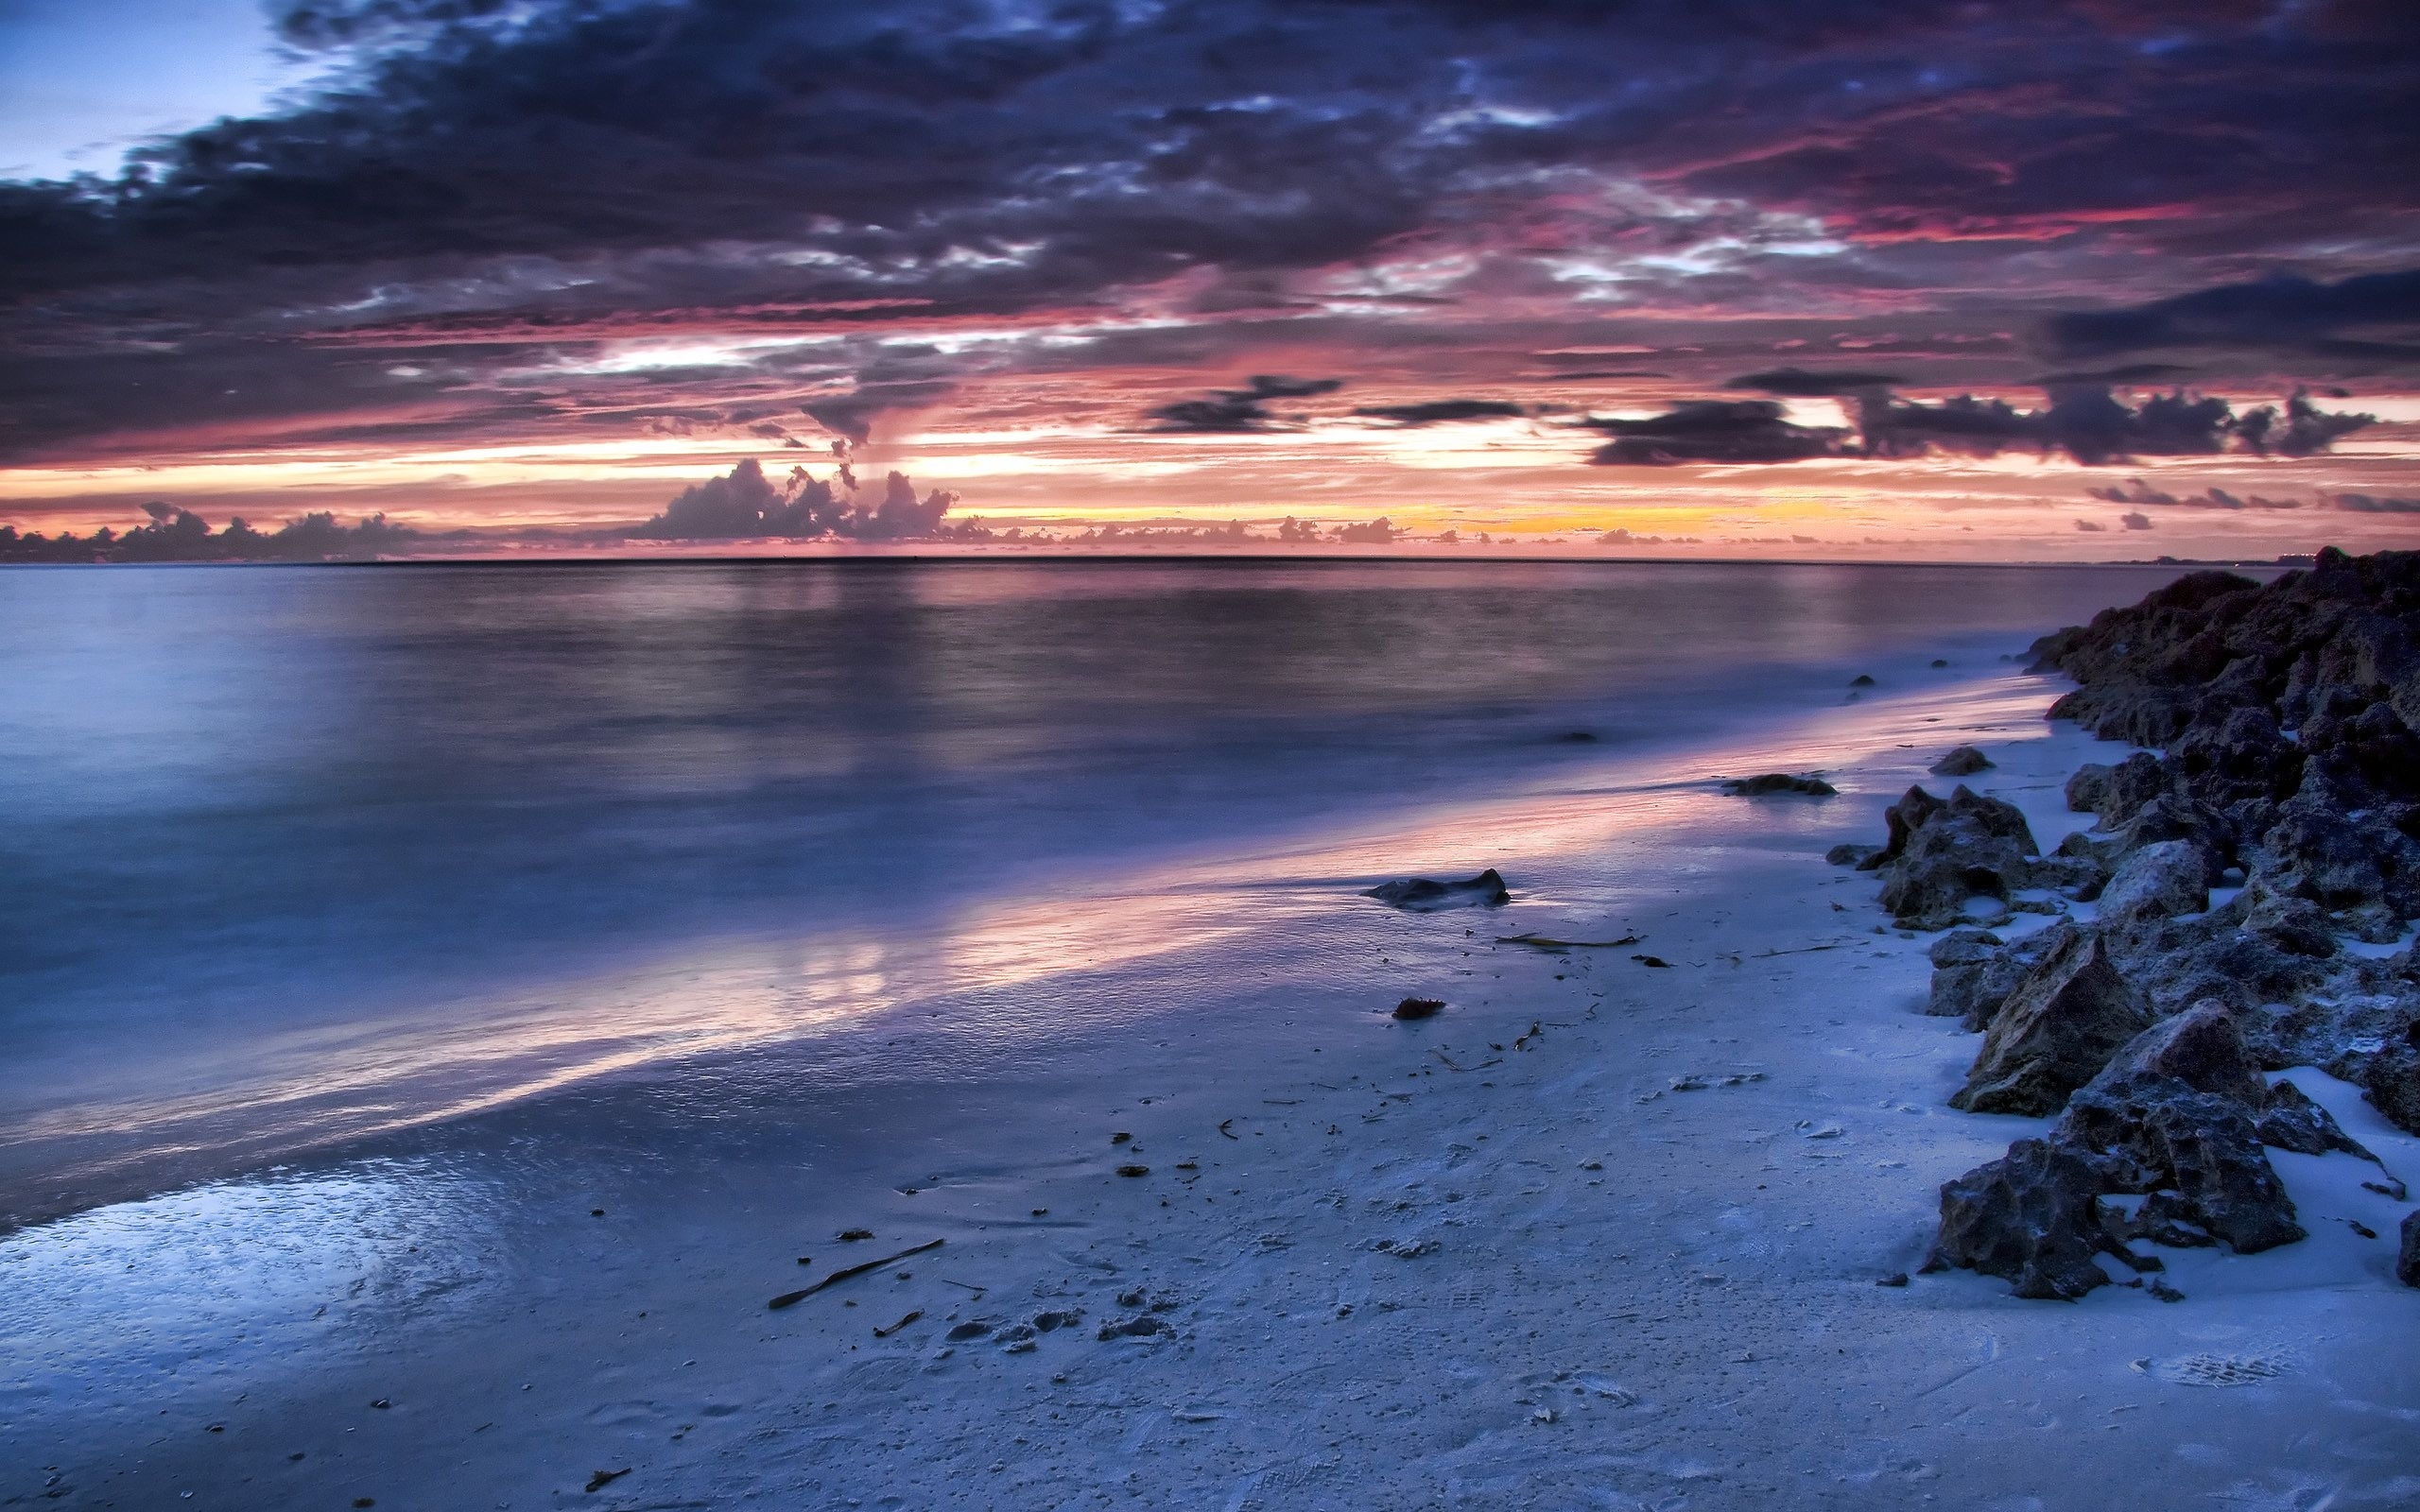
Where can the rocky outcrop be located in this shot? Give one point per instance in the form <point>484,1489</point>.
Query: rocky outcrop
<point>1419,895</point>
<point>2407,1264</point>
<point>2059,1027</point>
<point>2282,761</point>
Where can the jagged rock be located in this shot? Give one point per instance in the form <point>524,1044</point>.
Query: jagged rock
<point>1900,821</point>
<point>1965,761</point>
<point>2058,1028</point>
<point>1973,974</point>
<point>2390,1081</point>
<point>2407,1264</point>
<point>1420,895</point>
<point>2197,1151</point>
<point>2032,1217</point>
<point>2315,851</point>
<point>2112,795</point>
<point>1951,851</point>
<point>2242,757</point>
<point>2202,1047</point>
<point>2159,880</point>
<point>1850,853</point>
<point>1778,783</point>
<point>2290,1121</point>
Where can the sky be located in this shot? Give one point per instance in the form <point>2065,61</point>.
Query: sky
<point>1914,280</point>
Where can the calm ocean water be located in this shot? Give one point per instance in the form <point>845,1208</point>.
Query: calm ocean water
<point>248,803</point>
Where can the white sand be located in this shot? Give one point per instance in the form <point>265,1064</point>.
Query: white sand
<point>1594,1291</point>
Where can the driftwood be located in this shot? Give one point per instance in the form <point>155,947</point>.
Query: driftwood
<point>884,1333</point>
<point>793,1298</point>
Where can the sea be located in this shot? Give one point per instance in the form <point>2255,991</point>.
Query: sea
<point>293,854</point>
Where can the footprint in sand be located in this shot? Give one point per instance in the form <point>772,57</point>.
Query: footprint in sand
<point>2208,1369</point>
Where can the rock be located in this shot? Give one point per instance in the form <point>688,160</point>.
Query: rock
<point>2290,1121</point>
<point>2202,1047</point>
<point>2196,1152</point>
<point>2316,853</point>
<point>1973,974</point>
<point>2114,794</point>
<point>2058,1028</point>
<point>2159,880</point>
<point>1965,761</point>
<point>1141,1327</point>
<point>2390,1081</point>
<point>1968,846</point>
<point>1778,783</point>
<point>1419,1008</point>
<point>2407,1264</point>
<point>1420,895</point>
<point>1851,854</point>
<point>2032,1217</point>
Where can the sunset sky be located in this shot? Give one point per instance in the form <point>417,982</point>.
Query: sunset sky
<point>1716,273</point>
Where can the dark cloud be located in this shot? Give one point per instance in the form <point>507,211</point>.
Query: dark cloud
<point>1444,411</point>
<point>489,188</point>
<point>2282,313</point>
<point>1797,383</point>
<point>1239,411</point>
<point>2134,490</point>
<point>2091,524</point>
<point>2087,422</point>
<point>1711,430</point>
<point>2135,520</point>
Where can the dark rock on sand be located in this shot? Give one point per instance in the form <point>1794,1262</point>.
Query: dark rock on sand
<point>2390,1081</point>
<point>1421,895</point>
<point>2032,1217</point>
<point>1419,1008</point>
<point>2065,1020</point>
<point>1778,783</point>
<point>1965,761</point>
<point>1945,852</point>
<point>1849,853</point>
<point>2407,1264</point>
<point>2159,880</point>
<point>2197,1154</point>
<point>2290,1121</point>
<point>2202,1047</point>
<point>1973,974</point>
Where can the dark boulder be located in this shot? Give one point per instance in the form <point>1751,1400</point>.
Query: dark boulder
<point>2112,795</point>
<point>1420,895</point>
<point>2032,1217</point>
<point>1965,761</point>
<point>1778,783</point>
<point>2315,851</point>
<point>1900,821</point>
<point>2197,1151</point>
<point>1973,974</point>
<point>2390,1081</point>
<point>2407,1264</point>
<point>2290,1121</point>
<point>2202,1047</point>
<point>2160,880</point>
<point>1850,853</point>
<point>2060,1027</point>
<point>1969,846</point>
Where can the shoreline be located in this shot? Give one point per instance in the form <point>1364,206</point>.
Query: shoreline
<point>1541,1271</point>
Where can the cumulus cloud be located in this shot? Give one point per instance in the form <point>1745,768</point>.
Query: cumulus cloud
<point>1239,411</point>
<point>744,503</point>
<point>2135,520</point>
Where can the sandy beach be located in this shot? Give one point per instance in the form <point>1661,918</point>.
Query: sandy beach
<point>1601,1234</point>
